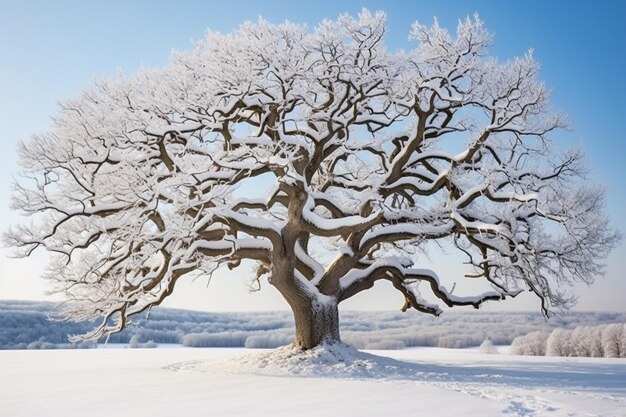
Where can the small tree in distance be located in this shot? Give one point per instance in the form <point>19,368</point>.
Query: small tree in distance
<point>614,340</point>
<point>559,343</point>
<point>531,344</point>
<point>487,347</point>
<point>370,155</point>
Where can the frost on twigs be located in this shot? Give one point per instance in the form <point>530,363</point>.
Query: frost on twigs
<point>370,154</point>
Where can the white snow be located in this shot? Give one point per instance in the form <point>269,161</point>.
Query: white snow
<point>309,216</point>
<point>332,381</point>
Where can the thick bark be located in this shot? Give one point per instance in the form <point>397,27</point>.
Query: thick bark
<point>316,323</point>
<point>316,316</point>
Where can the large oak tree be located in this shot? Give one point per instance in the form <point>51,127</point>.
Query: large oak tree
<point>371,155</point>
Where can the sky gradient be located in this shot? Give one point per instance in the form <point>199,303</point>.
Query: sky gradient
<point>50,50</point>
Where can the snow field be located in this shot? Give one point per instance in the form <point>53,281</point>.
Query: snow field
<point>325,382</point>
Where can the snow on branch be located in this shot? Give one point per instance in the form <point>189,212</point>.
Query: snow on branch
<point>406,279</point>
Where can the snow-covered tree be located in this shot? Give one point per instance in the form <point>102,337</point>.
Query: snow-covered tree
<point>586,341</point>
<point>531,344</point>
<point>134,342</point>
<point>595,342</point>
<point>370,155</point>
<point>614,340</point>
<point>487,347</point>
<point>559,343</point>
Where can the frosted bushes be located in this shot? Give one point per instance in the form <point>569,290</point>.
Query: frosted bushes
<point>41,344</point>
<point>386,344</point>
<point>586,342</point>
<point>597,349</point>
<point>136,344</point>
<point>365,340</point>
<point>456,342</point>
<point>614,340</point>
<point>608,341</point>
<point>224,339</point>
<point>268,341</point>
<point>532,344</point>
<point>558,343</point>
<point>487,347</point>
<point>252,340</point>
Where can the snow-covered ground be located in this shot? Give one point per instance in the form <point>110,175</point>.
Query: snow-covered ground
<point>333,382</point>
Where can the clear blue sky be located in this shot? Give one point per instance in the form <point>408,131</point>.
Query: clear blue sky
<point>49,50</point>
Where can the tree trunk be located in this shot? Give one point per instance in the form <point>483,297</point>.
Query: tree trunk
<point>316,315</point>
<point>316,322</point>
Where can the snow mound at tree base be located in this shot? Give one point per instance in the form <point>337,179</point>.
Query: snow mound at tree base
<point>327,360</point>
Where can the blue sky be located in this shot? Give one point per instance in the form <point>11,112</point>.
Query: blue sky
<point>50,50</point>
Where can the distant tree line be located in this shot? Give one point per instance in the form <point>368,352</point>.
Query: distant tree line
<point>27,325</point>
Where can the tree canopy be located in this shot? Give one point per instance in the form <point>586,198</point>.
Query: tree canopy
<point>370,154</point>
